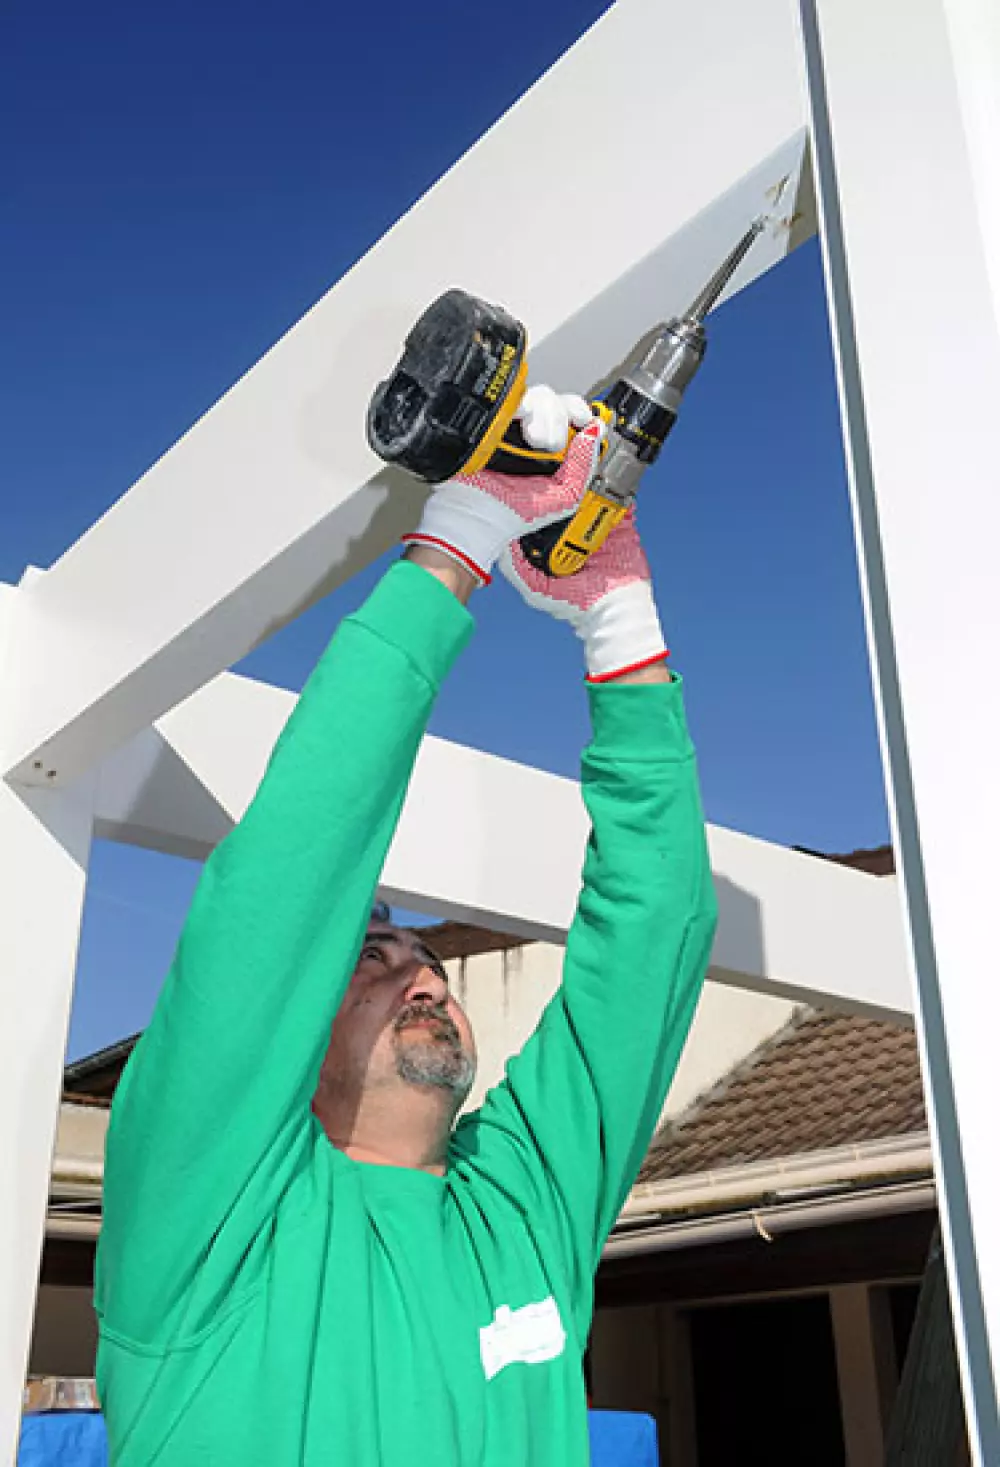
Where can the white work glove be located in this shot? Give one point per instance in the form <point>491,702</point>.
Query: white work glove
<point>472,517</point>
<point>609,603</point>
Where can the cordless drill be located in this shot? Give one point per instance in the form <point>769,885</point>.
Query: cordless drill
<point>449,407</point>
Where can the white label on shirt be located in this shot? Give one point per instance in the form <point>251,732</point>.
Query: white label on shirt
<point>531,1335</point>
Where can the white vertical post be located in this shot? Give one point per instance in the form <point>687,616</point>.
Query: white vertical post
<point>906,182</point>
<point>44,847</point>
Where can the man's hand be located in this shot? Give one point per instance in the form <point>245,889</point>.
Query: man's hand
<point>471,518</point>
<point>609,604</point>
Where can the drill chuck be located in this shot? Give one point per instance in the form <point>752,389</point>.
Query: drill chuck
<point>643,406</point>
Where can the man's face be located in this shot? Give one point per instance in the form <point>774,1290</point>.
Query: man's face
<point>398,1020</point>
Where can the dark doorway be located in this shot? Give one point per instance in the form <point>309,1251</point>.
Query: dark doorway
<point>902,1311</point>
<point>766,1385</point>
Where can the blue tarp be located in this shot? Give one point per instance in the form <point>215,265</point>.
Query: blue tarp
<point>76,1439</point>
<point>63,1439</point>
<point>622,1439</point>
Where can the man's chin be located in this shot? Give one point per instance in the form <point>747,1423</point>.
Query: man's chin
<point>434,1061</point>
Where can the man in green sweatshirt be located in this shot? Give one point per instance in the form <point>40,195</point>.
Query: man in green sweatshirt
<point>304,1263</point>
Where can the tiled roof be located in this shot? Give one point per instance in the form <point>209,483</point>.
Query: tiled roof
<point>824,1081</point>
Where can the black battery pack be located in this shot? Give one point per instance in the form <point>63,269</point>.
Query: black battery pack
<point>449,391</point>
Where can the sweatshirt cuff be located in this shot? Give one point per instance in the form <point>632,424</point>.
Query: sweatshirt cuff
<point>640,720</point>
<point>410,609</point>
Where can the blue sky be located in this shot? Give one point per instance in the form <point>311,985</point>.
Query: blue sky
<point>183,182</point>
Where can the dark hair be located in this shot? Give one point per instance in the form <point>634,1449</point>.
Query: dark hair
<point>381,912</point>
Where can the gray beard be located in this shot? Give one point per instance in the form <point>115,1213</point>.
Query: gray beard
<point>439,1061</point>
<point>441,1067</point>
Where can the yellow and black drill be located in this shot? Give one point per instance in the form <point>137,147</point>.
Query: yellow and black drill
<point>449,407</point>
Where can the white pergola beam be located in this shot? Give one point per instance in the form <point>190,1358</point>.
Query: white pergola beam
<point>148,797</point>
<point>907,126</point>
<point>274,496</point>
<point>790,924</point>
<point>45,844</point>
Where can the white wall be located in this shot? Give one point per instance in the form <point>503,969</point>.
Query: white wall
<point>80,1133</point>
<point>504,994</point>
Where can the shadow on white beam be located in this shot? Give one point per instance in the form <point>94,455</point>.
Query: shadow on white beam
<point>270,497</point>
<point>148,797</point>
<point>790,924</point>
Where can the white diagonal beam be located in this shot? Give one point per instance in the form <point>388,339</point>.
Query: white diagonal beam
<point>684,115</point>
<point>907,126</point>
<point>790,924</point>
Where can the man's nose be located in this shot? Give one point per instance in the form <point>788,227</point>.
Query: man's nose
<point>426,986</point>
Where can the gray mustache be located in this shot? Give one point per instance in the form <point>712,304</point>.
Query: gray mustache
<point>427,1011</point>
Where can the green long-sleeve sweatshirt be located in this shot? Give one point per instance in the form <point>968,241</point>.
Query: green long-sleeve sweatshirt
<point>262,1298</point>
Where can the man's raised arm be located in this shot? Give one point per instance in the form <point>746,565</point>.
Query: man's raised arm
<point>211,1120</point>
<point>566,1131</point>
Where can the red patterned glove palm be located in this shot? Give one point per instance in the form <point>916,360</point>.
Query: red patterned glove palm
<point>472,517</point>
<point>609,603</point>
